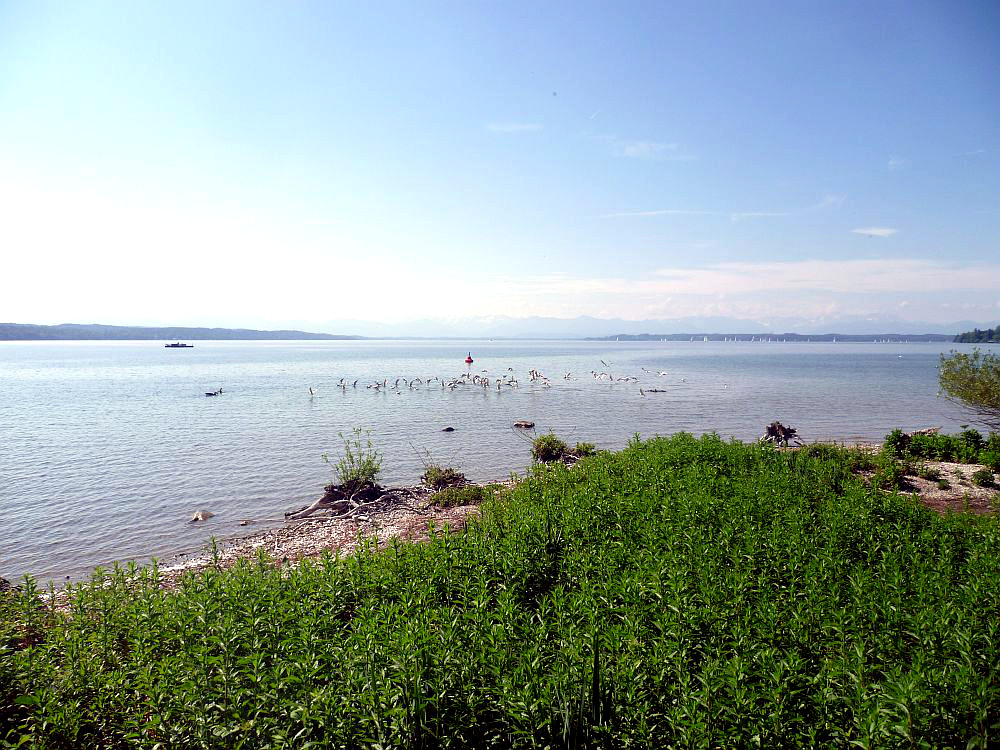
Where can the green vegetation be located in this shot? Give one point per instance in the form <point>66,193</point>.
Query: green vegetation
<point>453,496</point>
<point>975,336</point>
<point>974,380</point>
<point>438,477</point>
<point>548,447</point>
<point>968,447</point>
<point>682,593</point>
<point>929,473</point>
<point>982,478</point>
<point>360,463</point>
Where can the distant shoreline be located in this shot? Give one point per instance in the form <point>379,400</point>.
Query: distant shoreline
<point>100,332</point>
<point>852,338</point>
<point>97,332</point>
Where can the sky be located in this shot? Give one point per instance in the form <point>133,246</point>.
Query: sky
<point>295,163</point>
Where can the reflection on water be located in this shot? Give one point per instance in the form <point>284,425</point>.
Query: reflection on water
<point>110,446</point>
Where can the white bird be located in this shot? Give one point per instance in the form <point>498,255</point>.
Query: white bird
<point>662,374</point>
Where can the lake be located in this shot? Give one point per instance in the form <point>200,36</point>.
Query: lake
<point>109,447</point>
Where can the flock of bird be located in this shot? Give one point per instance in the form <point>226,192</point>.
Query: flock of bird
<point>483,380</point>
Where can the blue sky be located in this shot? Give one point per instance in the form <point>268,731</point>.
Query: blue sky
<point>298,163</point>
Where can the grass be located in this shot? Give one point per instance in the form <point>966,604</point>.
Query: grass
<point>681,593</point>
<point>360,462</point>
<point>450,497</point>
<point>439,477</point>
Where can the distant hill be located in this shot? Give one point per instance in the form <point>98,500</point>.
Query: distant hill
<point>975,336</point>
<point>845,337</point>
<point>96,332</point>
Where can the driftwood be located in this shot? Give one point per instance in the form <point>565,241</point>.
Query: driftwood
<point>342,501</point>
<point>779,434</point>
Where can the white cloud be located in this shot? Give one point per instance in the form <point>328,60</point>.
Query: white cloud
<point>875,231</point>
<point>513,127</point>
<point>830,200</point>
<point>643,149</point>
<point>898,162</point>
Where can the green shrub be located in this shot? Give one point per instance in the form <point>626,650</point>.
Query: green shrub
<point>993,442</point>
<point>583,450</point>
<point>452,496</point>
<point>548,448</point>
<point>889,474</point>
<point>982,478</point>
<point>438,477</point>
<point>896,444</point>
<point>360,462</point>
<point>927,472</point>
<point>971,438</point>
<point>943,484</point>
<point>990,459</point>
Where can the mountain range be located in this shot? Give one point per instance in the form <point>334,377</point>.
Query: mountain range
<point>504,327</point>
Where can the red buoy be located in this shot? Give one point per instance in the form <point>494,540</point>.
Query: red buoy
<point>468,360</point>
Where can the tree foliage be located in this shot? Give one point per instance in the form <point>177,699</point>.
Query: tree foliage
<point>974,380</point>
<point>977,336</point>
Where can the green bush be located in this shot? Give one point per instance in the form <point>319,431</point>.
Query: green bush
<point>967,447</point>
<point>971,438</point>
<point>889,474</point>
<point>943,484</point>
<point>990,459</point>
<point>582,450</point>
<point>546,448</point>
<point>896,444</point>
<point>927,472</point>
<point>360,463</point>
<point>453,496</point>
<point>982,478</point>
<point>438,477</point>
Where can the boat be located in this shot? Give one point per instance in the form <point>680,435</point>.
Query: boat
<point>178,345</point>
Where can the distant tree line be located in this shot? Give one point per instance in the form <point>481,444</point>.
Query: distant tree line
<point>976,336</point>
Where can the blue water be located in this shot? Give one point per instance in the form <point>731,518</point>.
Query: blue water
<point>109,447</point>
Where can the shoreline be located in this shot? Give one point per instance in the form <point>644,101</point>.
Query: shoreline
<point>291,540</point>
<point>296,540</point>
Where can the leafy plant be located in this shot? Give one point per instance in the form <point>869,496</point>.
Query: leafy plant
<point>583,450</point>
<point>927,472</point>
<point>360,462</point>
<point>896,444</point>
<point>973,380</point>
<point>889,474</point>
<point>438,477</point>
<point>452,496</point>
<point>546,448</point>
<point>982,478</point>
<point>943,484</point>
